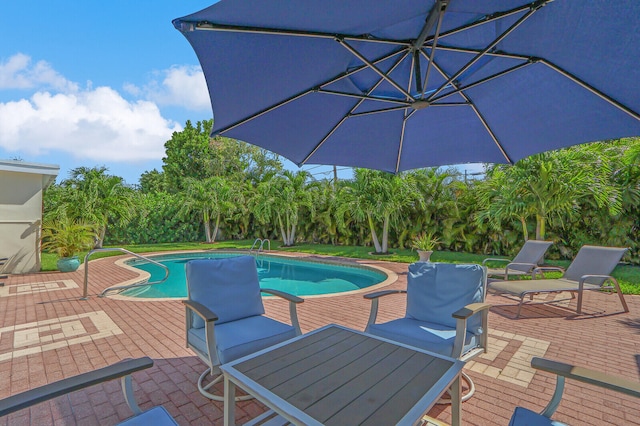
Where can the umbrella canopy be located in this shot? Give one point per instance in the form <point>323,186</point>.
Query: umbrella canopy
<point>397,85</point>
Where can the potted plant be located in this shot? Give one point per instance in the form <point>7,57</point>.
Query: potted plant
<point>67,238</point>
<point>424,244</point>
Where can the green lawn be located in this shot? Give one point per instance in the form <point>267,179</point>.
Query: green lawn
<point>628,276</point>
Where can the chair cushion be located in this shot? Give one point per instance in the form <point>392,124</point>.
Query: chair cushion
<point>229,287</point>
<point>428,336</point>
<point>523,417</point>
<point>157,416</point>
<point>242,337</point>
<point>437,290</point>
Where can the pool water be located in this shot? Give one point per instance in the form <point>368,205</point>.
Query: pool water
<point>298,277</point>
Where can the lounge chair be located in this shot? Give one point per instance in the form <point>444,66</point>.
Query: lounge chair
<point>590,270</point>
<point>525,417</point>
<point>156,416</point>
<point>445,312</point>
<point>525,263</point>
<point>225,315</point>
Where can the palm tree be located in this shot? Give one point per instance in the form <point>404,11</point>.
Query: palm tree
<point>549,185</point>
<point>282,198</point>
<point>214,198</point>
<point>93,196</point>
<point>375,197</point>
<point>438,211</point>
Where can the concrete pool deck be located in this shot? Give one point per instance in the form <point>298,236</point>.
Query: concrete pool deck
<point>47,334</point>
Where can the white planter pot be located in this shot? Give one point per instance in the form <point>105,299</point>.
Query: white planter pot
<point>424,255</point>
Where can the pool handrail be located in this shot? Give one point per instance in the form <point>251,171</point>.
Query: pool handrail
<point>261,246</point>
<point>85,290</point>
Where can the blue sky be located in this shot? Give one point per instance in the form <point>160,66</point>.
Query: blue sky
<point>88,83</point>
<point>97,83</point>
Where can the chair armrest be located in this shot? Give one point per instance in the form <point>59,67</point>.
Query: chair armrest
<point>71,384</point>
<point>377,294</point>
<point>494,259</point>
<point>293,301</point>
<point>470,309</point>
<point>284,295</point>
<point>202,311</point>
<point>461,316</point>
<point>586,277</point>
<point>586,375</point>
<point>373,313</point>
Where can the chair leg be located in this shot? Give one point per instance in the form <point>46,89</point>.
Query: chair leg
<point>469,384</point>
<point>520,306</point>
<point>204,389</point>
<point>624,302</point>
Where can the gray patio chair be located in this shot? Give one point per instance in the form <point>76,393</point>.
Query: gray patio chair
<point>525,417</point>
<point>445,312</point>
<point>156,416</point>
<point>225,316</point>
<point>590,270</point>
<point>525,263</point>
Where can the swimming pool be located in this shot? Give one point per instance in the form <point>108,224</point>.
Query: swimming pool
<point>298,277</point>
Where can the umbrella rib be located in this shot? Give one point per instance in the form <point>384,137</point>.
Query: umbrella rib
<point>479,115</point>
<point>493,17</point>
<point>592,89</point>
<point>500,53</point>
<point>187,26</point>
<point>489,130</point>
<point>481,81</point>
<point>442,9</point>
<point>373,67</point>
<point>303,93</point>
<point>349,114</point>
<point>391,109</point>
<point>400,146</point>
<point>497,40</point>
<point>435,15</point>
<point>365,97</point>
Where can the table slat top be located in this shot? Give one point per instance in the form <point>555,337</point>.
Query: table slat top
<point>340,376</point>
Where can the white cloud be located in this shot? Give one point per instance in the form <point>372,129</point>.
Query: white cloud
<point>96,124</point>
<point>182,86</point>
<point>18,72</point>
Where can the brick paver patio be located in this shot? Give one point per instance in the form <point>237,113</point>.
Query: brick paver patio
<point>47,333</point>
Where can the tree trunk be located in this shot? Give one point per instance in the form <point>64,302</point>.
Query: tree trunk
<point>215,229</point>
<point>207,231</point>
<point>207,226</point>
<point>374,236</point>
<point>282,231</point>
<point>525,230</point>
<point>292,235</point>
<point>101,234</point>
<point>385,235</point>
<point>540,227</point>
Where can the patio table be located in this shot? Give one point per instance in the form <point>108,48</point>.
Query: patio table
<point>338,376</point>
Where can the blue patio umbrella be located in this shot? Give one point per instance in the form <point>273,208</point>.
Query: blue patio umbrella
<point>402,84</point>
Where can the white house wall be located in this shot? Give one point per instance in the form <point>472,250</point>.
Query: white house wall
<point>21,217</point>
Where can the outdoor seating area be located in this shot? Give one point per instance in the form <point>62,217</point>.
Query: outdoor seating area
<point>48,335</point>
<point>458,128</point>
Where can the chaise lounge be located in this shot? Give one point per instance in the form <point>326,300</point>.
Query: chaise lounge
<point>590,270</point>
<point>525,263</point>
